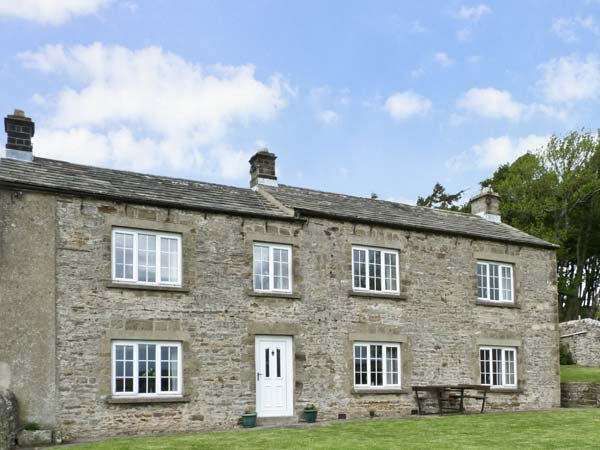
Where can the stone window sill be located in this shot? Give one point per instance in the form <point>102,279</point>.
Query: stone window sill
<point>274,295</point>
<point>376,295</point>
<point>143,400</point>
<point>379,391</point>
<point>497,304</point>
<point>144,287</point>
<point>505,391</point>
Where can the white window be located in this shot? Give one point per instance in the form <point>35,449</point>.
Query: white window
<point>495,281</point>
<point>375,269</point>
<point>498,366</point>
<point>146,257</point>
<point>146,368</point>
<point>376,365</point>
<point>272,268</point>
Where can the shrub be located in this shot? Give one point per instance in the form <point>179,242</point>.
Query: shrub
<point>31,426</point>
<point>566,357</point>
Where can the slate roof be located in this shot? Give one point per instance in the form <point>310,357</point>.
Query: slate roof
<point>394,214</point>
<point>59,176</point>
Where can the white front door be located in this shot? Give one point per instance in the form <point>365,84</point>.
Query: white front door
<point>274,376</point>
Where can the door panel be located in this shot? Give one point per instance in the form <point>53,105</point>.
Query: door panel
<point>274,376</point>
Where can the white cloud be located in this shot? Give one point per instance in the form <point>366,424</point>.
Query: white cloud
<point>328,117</point>
<point>567,28</point>
<point>403,105</point>
<point>417,27</point>
<point>490,102</point>
<point>570,78</point>
<point>443,59</point>
<point>417,73</point>
<point>52,12</point>
<point>150,109</point>
<point>463,34</point>
<point>494,151</point>
<point>473,13</point>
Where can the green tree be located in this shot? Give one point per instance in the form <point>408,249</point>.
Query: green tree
<point>440,199</point>
<point>555,195</point>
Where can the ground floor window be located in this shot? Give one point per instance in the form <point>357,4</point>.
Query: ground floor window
<point>146,368</point>
<point>498,366</point>
<point>376,365</point>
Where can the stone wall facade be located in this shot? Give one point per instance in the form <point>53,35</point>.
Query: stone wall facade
<point>583,339</point>
<point>438,322</point>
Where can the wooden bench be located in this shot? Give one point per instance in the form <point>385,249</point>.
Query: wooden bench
<point>455,392</point>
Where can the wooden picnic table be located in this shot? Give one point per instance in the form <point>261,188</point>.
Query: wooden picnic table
<point>455,392</point>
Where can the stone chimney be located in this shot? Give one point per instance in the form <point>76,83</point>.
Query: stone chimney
<point>486,204</point>
<point>19,129</point>
<point>262,169</point>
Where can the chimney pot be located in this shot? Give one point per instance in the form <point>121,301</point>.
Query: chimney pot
<point>486,204</point>
<point>19,129</point>
<point>262,169</point>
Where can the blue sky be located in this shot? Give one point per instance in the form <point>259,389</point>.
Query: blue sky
<point>354,97</point>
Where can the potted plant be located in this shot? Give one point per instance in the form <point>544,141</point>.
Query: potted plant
<point>249,418</point>
<point>310,413</point>
<point>371,412</point>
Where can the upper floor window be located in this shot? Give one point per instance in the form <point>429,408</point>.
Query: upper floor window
<point>375,269</point>
<point>272,268</point>
<point>376,365</point>
<point>146,257</point>
<point>495,281</point>
<point>498,366</point>
<point>146,368</point>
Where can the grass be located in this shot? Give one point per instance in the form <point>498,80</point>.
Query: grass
<point>579,373</point>
<point>557,429</point>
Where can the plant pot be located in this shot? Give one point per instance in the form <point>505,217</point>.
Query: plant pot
<point>310,415</point>
<point>249,420</point>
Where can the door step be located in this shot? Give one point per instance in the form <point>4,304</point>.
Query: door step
<point>276,421</point>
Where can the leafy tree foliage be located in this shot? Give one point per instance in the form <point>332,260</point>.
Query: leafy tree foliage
<point>555,195</point>
<point>440,199</point>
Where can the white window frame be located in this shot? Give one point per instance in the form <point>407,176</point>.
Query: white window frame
<point>385,385</point>
<point>383,252</point>
<point>500,266</point>
<point>158,235</point>
<point>159,392</point>
<point>271,248</point>
<point>503,372</point>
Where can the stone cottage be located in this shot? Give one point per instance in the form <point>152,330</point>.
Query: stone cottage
<point>134,303</point>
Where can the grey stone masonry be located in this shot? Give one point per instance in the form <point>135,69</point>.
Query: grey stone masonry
<point>580,395</point>
<point>8,420</point>
<point>61,310</point>
<point>583,339</point>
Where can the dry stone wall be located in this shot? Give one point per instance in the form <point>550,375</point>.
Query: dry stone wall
<point>583,339</point>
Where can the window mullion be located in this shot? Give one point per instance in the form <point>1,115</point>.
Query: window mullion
<point>157,249</point>
<point>135,369</point>
<point>384,365</point>
<point>368,365</point>
<point>489,279</point>
<point>367,270</point>
<point>135,258</point>
<point>158,369</point>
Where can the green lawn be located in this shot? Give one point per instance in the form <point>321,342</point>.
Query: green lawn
<point>557,429</point>
<point>579,373</point>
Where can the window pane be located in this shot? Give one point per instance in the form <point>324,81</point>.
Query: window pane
<point>509,367</point>
<point>123,357</point>
<point>123,255</point>
<point>376,365</point>
<point>261,267</point>
<point>168,368</point>
<point>147,368</point>
<point>169,260</point>
<point>390,272</point>
<point>147,258</point>
<point>360,364</point>
<point>391,354</point>
<point>360,269</point>
<point>494,278</point>
<point>484,357</point>
<point>482,280</point>
<point>496,367</point>
<point>375,270</point>
<point>280,268</point>
<point>507,283</point>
